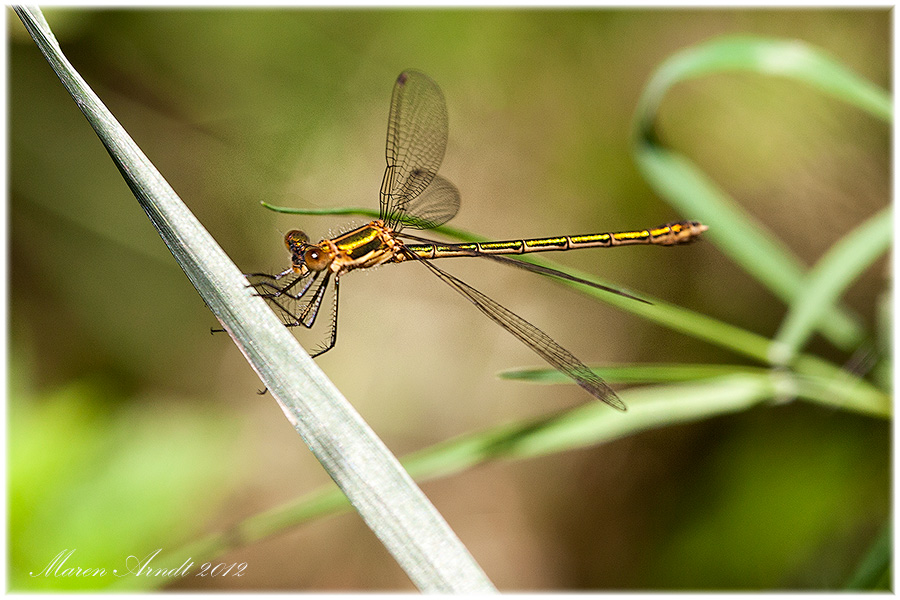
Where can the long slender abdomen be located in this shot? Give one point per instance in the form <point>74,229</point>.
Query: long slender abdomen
<point>670,234</point>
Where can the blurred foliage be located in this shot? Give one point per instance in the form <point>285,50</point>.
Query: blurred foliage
<point>288,106</point>
<point>741,540</point>
<point>106,480</point>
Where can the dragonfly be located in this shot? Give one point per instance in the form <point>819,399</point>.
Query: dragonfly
<point>414,196</point>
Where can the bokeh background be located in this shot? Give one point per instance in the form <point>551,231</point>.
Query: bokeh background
<point>132,428</point>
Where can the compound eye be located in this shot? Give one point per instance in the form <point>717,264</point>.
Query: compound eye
<point>316,258</point>
<point>295,238</point>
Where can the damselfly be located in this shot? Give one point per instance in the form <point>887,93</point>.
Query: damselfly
<point>413,195</point>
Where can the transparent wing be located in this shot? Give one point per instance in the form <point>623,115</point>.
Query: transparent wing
<point>435,206</point>
<point>534,338</point>
<point>416,141</point>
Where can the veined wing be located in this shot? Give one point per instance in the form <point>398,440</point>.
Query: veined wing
<point>416,141</point>
<point>435,206</point>
<point>534,338</point>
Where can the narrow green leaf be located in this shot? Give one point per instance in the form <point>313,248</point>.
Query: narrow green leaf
<point>589,424</point>
<point>828,279</point>
<point>758,252</point>
<point>365,470</point>
<point>678,180</point>
<point>337,210</point>
<point>883,372</point>
<point>831,387</point>
<point>767,56</point>
<point>586,425</point>
<point>844,391</point>
<point>738,234</point>
<point>635,373</point>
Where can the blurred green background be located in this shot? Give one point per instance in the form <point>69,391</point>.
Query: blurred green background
<point>132,428</point>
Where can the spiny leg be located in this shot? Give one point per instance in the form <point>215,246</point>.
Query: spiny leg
<point>287,315</point>
<point>334,320</point>
<point>307,316</point>
<point>309,313</point>
<point>280,298</point>
<point>271,296</point>
<point>304,315</point>
<point>284,291</point>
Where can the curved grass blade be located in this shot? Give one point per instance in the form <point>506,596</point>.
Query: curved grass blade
<point>587,425</point>
<point>638,373</point>
<point>828,279</point>
<point>679,181</point>
<point>883,372</point>
<point>365,470</point>
<point>833,388</point>
<point>767,56</point>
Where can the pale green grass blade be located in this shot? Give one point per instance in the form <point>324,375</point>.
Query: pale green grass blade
<point>678,180</point>
<point>736,233</point>
<point>636,373</point>
<point>828,279</point>
<point>593,423</point>
<point>365,470</point>
<point>767,56</point>
<point>883,372</point>
<point>587,425</point>
<point>830,386</point>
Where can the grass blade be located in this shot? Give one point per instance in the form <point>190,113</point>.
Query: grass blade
<point>635,373</point>
<point>371,477</point>
<point>829,386</point>
<point>828,279</point>
<point>678,180</point>
<point>586,425</point>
